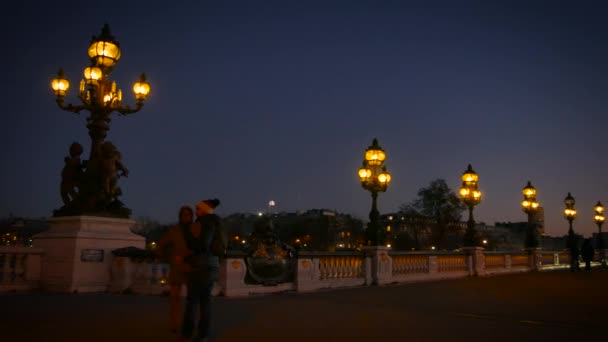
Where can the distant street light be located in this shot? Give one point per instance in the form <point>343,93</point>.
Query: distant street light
<point>96,189</point>
<point>471,196</point>
<point>570,213</point>
<point>374,178</point>
<point>599,220</point>
<point>270,205</point>
<point>530,206</point>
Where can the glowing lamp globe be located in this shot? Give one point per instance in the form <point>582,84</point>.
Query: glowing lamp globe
<point>60,85</point>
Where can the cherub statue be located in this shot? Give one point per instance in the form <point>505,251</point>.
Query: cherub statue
<point>71,175</point>
<point>111,168</point>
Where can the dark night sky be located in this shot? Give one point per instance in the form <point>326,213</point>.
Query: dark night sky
<point>260,100</point>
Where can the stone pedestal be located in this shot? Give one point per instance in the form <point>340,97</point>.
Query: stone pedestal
<point>78,251</point>
<point>307,274</point>
<point>382,264</point>
<point>535,258</point>
<point>233,270</point>
<point>476,260</point>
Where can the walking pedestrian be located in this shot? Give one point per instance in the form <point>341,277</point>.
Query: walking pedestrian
<point>587,251</point>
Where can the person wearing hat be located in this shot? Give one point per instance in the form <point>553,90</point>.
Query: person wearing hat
<point>207,244</point>
<point>172,246</point>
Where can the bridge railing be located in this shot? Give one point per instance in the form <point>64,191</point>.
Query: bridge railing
<point>331,270</point>
<point>416,266</point>
<point>554,260</point>
<point>20,268</point>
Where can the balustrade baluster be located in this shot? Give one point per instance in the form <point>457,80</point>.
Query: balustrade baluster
<point>322,268</point>
<point>6,269</point>
<point>334,267</point>
<point>150,272</point>
<point>19,268</point>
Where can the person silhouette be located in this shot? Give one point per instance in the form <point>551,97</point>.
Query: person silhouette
<point>172,246</point>
<point>587,252</point>
<point>574,252</point>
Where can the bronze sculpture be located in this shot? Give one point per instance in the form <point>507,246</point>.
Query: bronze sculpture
<point>269,260</point>
<point>71,175</point>
<point>91,187</point>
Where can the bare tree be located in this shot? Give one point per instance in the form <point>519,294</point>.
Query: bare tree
<point>436,211</point>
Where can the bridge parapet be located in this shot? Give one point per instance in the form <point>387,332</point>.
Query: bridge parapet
<point>20,268</point>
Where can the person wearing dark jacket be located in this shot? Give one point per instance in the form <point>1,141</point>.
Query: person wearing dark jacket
<point>587,252</point>
<point>172,246</point>
<point>207,244</point>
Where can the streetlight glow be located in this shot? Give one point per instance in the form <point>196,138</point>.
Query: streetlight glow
<point>599,220</point>
<point>471,196</point>
<point>375,178</point>
<point>570,215</point>
<point>530,206</point>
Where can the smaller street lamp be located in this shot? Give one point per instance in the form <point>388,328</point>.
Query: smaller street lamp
<point>375,178</point>
<point>599,220</point>
<point>471,196</point>
<point>530,206</point>
<point>572,243</point>
<point>569,212</point>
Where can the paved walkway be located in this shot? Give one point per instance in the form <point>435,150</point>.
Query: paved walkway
<point>548,306</point>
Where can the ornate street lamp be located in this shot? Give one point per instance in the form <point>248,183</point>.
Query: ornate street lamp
<point>96,190</point>
<point>599,220</point>
<point>375,179</point>
<point>471,196</point>
<point>530,206</point>
<point>569,212</point>
<point>572,243</point>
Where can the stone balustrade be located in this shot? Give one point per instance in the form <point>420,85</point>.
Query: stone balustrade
<point>20,268</point>
<point>452,262</point>
<point>417,266</point>
<point>376,265</point>
<point>138,275</point>
<point>330,270</point>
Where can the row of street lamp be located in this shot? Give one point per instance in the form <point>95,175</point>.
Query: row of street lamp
<point>375,178</point>
<point>100,97</point>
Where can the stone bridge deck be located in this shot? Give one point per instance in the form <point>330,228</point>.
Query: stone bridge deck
<point>547,306</point>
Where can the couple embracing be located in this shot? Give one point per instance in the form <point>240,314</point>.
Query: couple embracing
<point>195,252</point>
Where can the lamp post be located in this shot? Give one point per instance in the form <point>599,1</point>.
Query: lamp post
<point>572,243</point>
<point>570,213</point>
<point>375,179</point>
<point>530,206</point>
<point>599,220</point>
<point>471,196</point>
<point>100,96</point>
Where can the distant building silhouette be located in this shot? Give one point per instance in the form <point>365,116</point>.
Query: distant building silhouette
<point>18,231</point>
